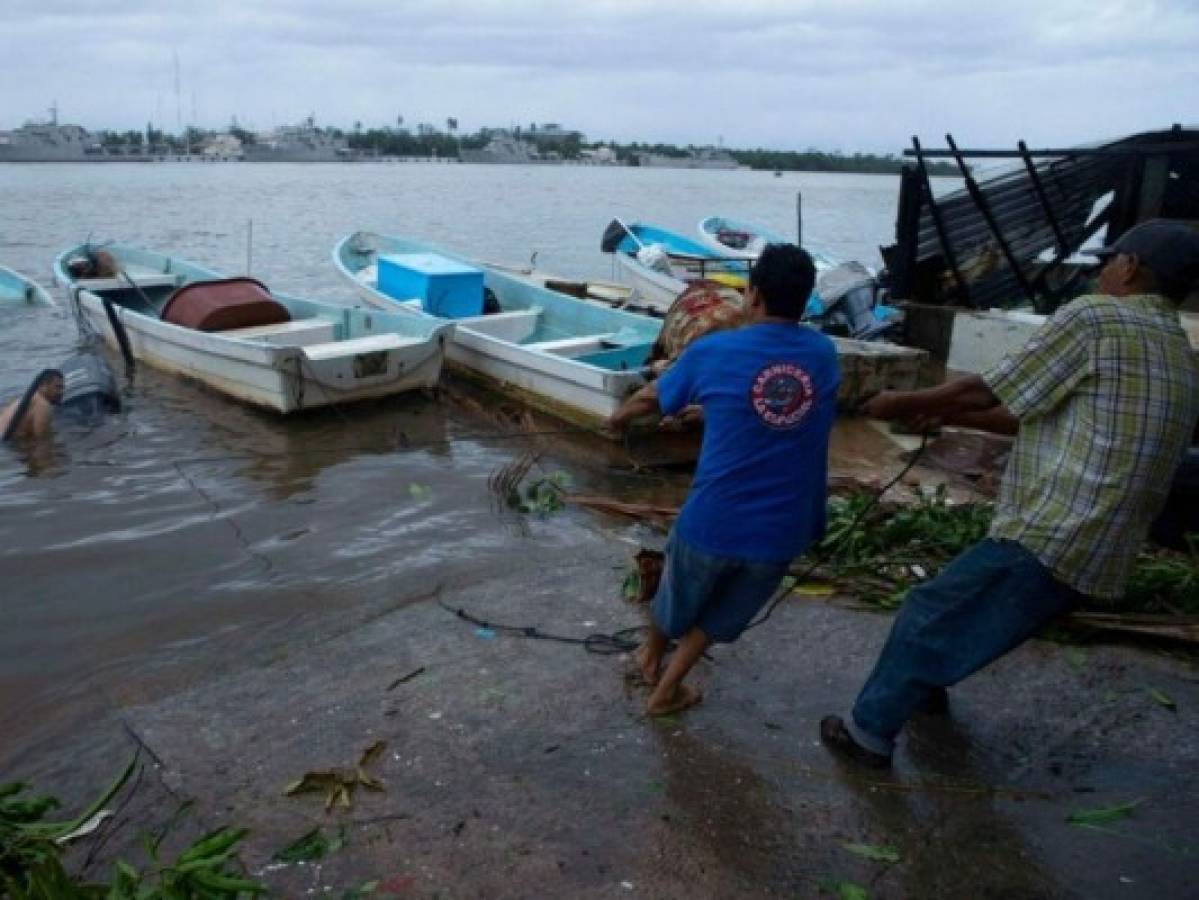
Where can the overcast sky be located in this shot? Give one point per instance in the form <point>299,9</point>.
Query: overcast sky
<point>840,74</point>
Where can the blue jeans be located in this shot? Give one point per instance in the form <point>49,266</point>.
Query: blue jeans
<point>989,600</point>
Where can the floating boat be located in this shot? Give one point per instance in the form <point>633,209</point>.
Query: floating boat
<point>270,350</point>
<point>575,359</point>
<point>16,288</point>
<point>722,234</point>
<point>660,264</point>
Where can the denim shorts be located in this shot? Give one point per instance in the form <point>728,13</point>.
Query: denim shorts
<point>719,595</point>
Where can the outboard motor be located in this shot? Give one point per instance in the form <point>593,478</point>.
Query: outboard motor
<point>849,303</point>
<point>89,389</point>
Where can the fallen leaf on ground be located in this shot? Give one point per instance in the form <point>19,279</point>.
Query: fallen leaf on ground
<point>814,589</point>
<point>1104,814</point>
<point>338,785</point>
<point>1164,699</point>
<point>874,852</point>
<point>313,845</point>
<point>844,890</point>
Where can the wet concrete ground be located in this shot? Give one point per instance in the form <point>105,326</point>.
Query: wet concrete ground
<point>523,768</point>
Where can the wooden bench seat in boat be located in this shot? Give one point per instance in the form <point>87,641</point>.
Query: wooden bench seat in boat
<point>573,346</point>
<point>514,325</point>
<point>296,333</point>
<point>372,343</point>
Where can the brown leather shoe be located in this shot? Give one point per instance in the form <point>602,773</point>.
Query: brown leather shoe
<point>838,739</point>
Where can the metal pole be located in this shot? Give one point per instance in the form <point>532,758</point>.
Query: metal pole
<point>942,234</point>
<point>249,245</point>
<point>798,219</point>
<point>1035,177</point>
<point>983,207</point>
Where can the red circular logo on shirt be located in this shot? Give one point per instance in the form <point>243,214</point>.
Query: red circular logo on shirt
<point>781,395</point>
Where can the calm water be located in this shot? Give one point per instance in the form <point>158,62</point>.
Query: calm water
<point>189,532</point>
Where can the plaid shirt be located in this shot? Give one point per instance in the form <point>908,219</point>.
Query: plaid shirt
<point>1107,393</point>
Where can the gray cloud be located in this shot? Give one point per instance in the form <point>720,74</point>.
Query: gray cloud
<point>853,75</point>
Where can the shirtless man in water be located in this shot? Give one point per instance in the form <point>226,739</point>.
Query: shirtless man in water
<point>768,391</point>
<point>36,419</point>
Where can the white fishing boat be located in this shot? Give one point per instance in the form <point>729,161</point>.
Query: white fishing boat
<point>573,358</point>
<point>271,350</point>
<point>16,288</point>
<point>659,264</point>
<point>736,237</point>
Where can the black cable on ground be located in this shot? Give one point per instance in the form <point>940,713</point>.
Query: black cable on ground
<point>602,644</point>
<point>623,642</point>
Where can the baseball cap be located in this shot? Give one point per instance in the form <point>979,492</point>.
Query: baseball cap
<point>1169,249</point>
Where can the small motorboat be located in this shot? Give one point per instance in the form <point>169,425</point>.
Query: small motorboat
<point>722,234</point>
<point>574,358</point>
<point>660,264</point>
<point>17,288</point>
<point>268,349</point>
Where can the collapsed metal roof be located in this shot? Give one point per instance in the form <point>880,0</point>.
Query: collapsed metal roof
<point>1006,241</point>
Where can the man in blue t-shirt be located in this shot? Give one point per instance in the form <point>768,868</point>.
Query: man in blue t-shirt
<point>768,392</point>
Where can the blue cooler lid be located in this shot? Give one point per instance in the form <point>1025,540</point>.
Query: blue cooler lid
<point>430,264</point>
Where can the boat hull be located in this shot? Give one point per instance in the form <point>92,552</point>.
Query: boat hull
<point>280,373</point>
<point>655,289</point>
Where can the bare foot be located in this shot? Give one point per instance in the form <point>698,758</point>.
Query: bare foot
<point>650,665</point>
<point>683,697</point>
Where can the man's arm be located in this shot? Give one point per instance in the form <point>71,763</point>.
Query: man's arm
<point>947,401</point>
<point>643,403</point>
<point>997,420</point>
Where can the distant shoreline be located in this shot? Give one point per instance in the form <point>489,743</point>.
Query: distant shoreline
<point>441,161</point>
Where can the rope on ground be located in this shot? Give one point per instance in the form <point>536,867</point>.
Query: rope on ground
<point>602,644</point>
<point>785,588</point>
<point>622,642</point>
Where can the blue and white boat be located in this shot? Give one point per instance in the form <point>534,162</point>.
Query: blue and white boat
<point>271,350</point>
<point>575,359</point>
<point>16,288</point>
<point>736,237</point>
<point>659,264</point>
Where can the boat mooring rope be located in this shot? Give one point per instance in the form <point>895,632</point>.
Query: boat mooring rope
<point>622,641</point>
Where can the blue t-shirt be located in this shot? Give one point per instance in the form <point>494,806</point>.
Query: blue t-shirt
<point>769,394</point>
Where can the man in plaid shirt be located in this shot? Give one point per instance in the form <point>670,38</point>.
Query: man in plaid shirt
<point>1103,400</point>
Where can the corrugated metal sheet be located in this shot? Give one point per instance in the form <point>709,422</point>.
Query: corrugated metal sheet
<point>1120,173</point>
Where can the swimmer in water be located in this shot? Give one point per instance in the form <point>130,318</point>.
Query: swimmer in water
<point>32,415</point>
